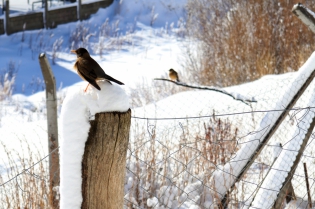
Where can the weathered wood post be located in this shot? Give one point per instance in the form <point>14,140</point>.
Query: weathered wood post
<point>104,161</point>
<point>309,197</point>
<point>52,126</point>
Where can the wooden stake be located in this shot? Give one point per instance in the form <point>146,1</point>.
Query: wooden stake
<point>104,161</point>
<point>307,186</point>
<point>52,126</point>
<point>7,17</point>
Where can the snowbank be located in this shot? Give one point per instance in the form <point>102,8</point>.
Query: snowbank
<point>225,177</point>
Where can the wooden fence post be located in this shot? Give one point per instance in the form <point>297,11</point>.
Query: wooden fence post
<point>104,161</point>
<point>46,14</point>
<point>79,10</point>
<point>7,16</point>
<point>309,197</point>
<point>52,125</point>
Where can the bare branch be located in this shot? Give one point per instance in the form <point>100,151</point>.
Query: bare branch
<point>242,99</point>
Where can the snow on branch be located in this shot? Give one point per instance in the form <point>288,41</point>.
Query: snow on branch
<point>306,15</point>
<point>235,96</point>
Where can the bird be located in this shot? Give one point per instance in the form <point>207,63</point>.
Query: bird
<point>173,75</point>
<point>89,70</point>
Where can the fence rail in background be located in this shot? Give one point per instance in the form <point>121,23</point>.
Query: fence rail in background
<point>50,18</point>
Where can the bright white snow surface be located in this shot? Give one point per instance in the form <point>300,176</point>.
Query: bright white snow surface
<point>77,110</point>
<point>141,41</point>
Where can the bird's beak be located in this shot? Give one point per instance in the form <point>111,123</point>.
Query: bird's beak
<point>73,51</point>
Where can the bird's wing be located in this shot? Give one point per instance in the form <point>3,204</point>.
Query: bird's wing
<point>88,74</point>
<point>85,70</point>
<point>100,73</point>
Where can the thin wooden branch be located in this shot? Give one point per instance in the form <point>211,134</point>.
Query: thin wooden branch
<point>245,101</point>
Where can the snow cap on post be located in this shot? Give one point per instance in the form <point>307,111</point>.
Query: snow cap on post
<point>77,111</point>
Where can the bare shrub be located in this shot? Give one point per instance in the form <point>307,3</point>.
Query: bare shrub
<point>79,37</point>
<point>239,41</point>
<point>56,49</point>
<point>220,140</point>
<point>167,167</point>
<point>154,16</point>
<point>36,84</point>
<point>111,38</point>
<point>23,185</point>
<point>7,80</point>
<point>41,42</point>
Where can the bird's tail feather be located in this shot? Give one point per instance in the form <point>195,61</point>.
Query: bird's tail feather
<point>95,85</point>
<point>109,78</point>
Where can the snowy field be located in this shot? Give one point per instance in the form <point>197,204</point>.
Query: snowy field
<point>175,139</point>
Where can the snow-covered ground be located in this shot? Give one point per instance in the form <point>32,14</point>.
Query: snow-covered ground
<point>169,163</point>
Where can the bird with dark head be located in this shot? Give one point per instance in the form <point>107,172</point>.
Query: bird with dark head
<point>89,70</point>
<point>173,75</point>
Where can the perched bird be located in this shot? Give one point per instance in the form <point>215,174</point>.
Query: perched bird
<point>173,75</point>
<point>89,70</point>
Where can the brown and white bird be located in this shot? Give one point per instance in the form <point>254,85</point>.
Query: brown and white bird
<point>173,75</point>
<point>89,70</point>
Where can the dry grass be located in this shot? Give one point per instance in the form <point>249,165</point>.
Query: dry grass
<point>173,164</point>
<point>79,37</point>
<point>23,186</point>
<point>7,79</point>
<point>167,162</point>
<point>244,40</point>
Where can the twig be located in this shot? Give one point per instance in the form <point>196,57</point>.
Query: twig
<point>245,101</point>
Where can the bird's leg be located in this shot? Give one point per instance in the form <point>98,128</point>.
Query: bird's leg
<point>86,87</point>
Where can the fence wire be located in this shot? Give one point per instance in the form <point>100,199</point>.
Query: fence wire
<point>178,143</point>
